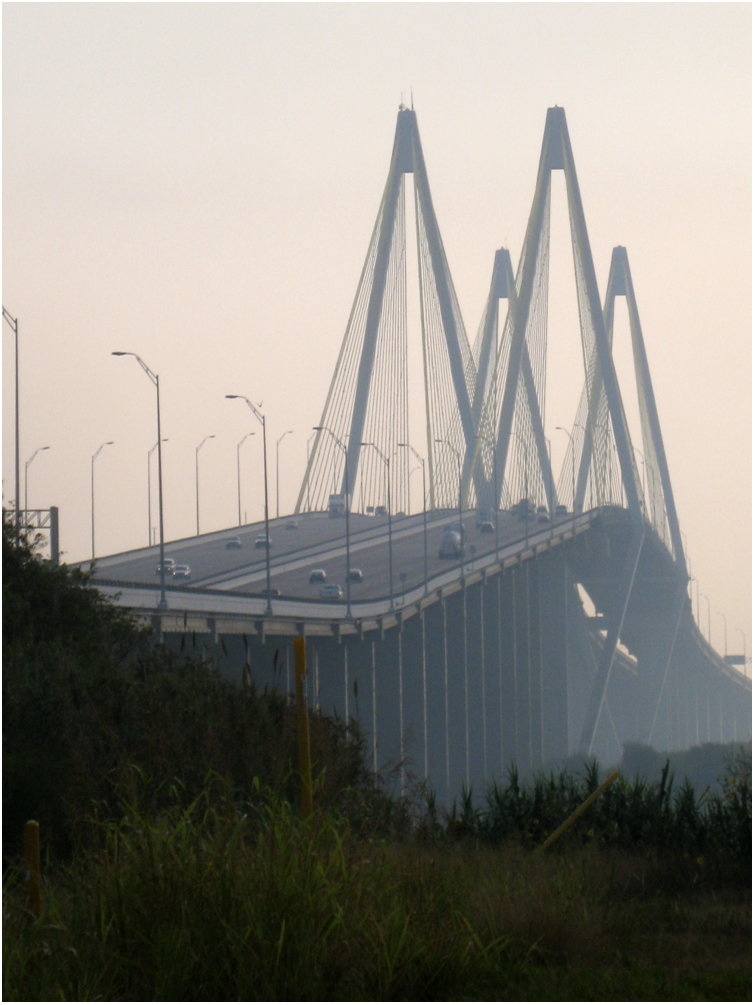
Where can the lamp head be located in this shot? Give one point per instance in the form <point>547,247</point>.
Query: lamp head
<point>119,354</point>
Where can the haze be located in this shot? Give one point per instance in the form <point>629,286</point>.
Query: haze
<point>198,184</point>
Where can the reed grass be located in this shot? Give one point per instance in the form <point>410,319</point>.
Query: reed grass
<point>225,902</point>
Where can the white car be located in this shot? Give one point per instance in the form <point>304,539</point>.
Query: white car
<point>261,540</point>
<point>181,572</point>
<point>233,544</point>
<point>331,591</point>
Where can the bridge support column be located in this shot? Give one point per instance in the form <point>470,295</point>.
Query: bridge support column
<point>466,682</point>
<point>445,690</point>
<point>401,701</point>
<point>554,652</point>
<point>482,675</point>
<point>374,716</point>
<point>424,689</point>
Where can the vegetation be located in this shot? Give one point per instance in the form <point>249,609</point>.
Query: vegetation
<point>177,865</point>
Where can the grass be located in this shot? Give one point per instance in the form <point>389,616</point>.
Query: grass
<point>194,877</point>
<point>213,903</point>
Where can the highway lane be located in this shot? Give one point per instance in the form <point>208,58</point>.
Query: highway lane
<point>319,542</point>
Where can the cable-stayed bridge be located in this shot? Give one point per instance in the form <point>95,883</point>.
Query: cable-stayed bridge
<point>523,616</point>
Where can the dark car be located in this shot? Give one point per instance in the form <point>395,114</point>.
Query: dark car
<point>355,576</point>
<point>487,527</point>
<point>233,544</point>
<point>318,576</point>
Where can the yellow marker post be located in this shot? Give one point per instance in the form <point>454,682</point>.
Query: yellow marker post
<point>300,666</point>
<point>31,861</point>
<point>578,812</point>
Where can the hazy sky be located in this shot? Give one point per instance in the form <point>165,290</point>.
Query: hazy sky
<point>198,184</point>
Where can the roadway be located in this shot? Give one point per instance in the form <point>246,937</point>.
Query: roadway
<point>314,541</point>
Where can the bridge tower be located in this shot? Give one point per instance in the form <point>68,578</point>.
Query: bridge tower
<point>368,396</point>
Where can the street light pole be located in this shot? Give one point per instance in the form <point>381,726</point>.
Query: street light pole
<point>26,481</point>
<point>461,524</point>
<point>163,603</point>
<point>387,462</point>
<point>707,601</point>
<point>94,458</point>
<point>348,507</point>
<point>526,491</point>
<point>149,492</point>
<point>573,483</point>
<point>309,440</point>
<point>13,323</point>
<point>744,651</point>
<point>261,419</point>
<point>238,469</point>
<point>196,460</point>
<point>424,504</point>
<point>277,467</point>
<point>726,643</point>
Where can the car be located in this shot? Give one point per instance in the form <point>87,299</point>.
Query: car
<point>524,509</point>
<point>170,564</point>
<point>274,592</point>
<point>484,515</point>
<point>233,544</point>
<point>561,510</point>
<point>181,572</point>
<point>355,576</point>
<point>381,511</point>
<point>318,576</point>
<point>331,591</point>
<point>543,518</point>
<point>450,545</point>
<point>487,527</point>
<point>292,525</point>
<point>261,540</point>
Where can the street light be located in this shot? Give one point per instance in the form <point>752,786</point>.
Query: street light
<point>196,460</point>
<point>309,440</point>
<point>277,482</point>
<point>13,323</point>
<point>338,443</point>
<point>573,480</point>
<point>461,524</point>
<point>424,503</point>
<point>163,604</point>
<point>526,491</point>
<point>94,458</point>
<point>707,601</point>
<point>726,644</point>
<point>26,480</point>
<point>238,468</point>
<point>491,440</point>
<point>387,462</point>
<point>261,419</point>
<point>642,456</point>
<point>149,491</point>
<point>744,651</point>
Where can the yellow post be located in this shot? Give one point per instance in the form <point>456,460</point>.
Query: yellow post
<point>578,812</point>
<point>300,665</point>
<point>31,861</point>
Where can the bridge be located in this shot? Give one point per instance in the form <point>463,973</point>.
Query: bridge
<point>520,617</point>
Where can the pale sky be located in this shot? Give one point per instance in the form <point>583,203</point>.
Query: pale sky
<point>198,184</point>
